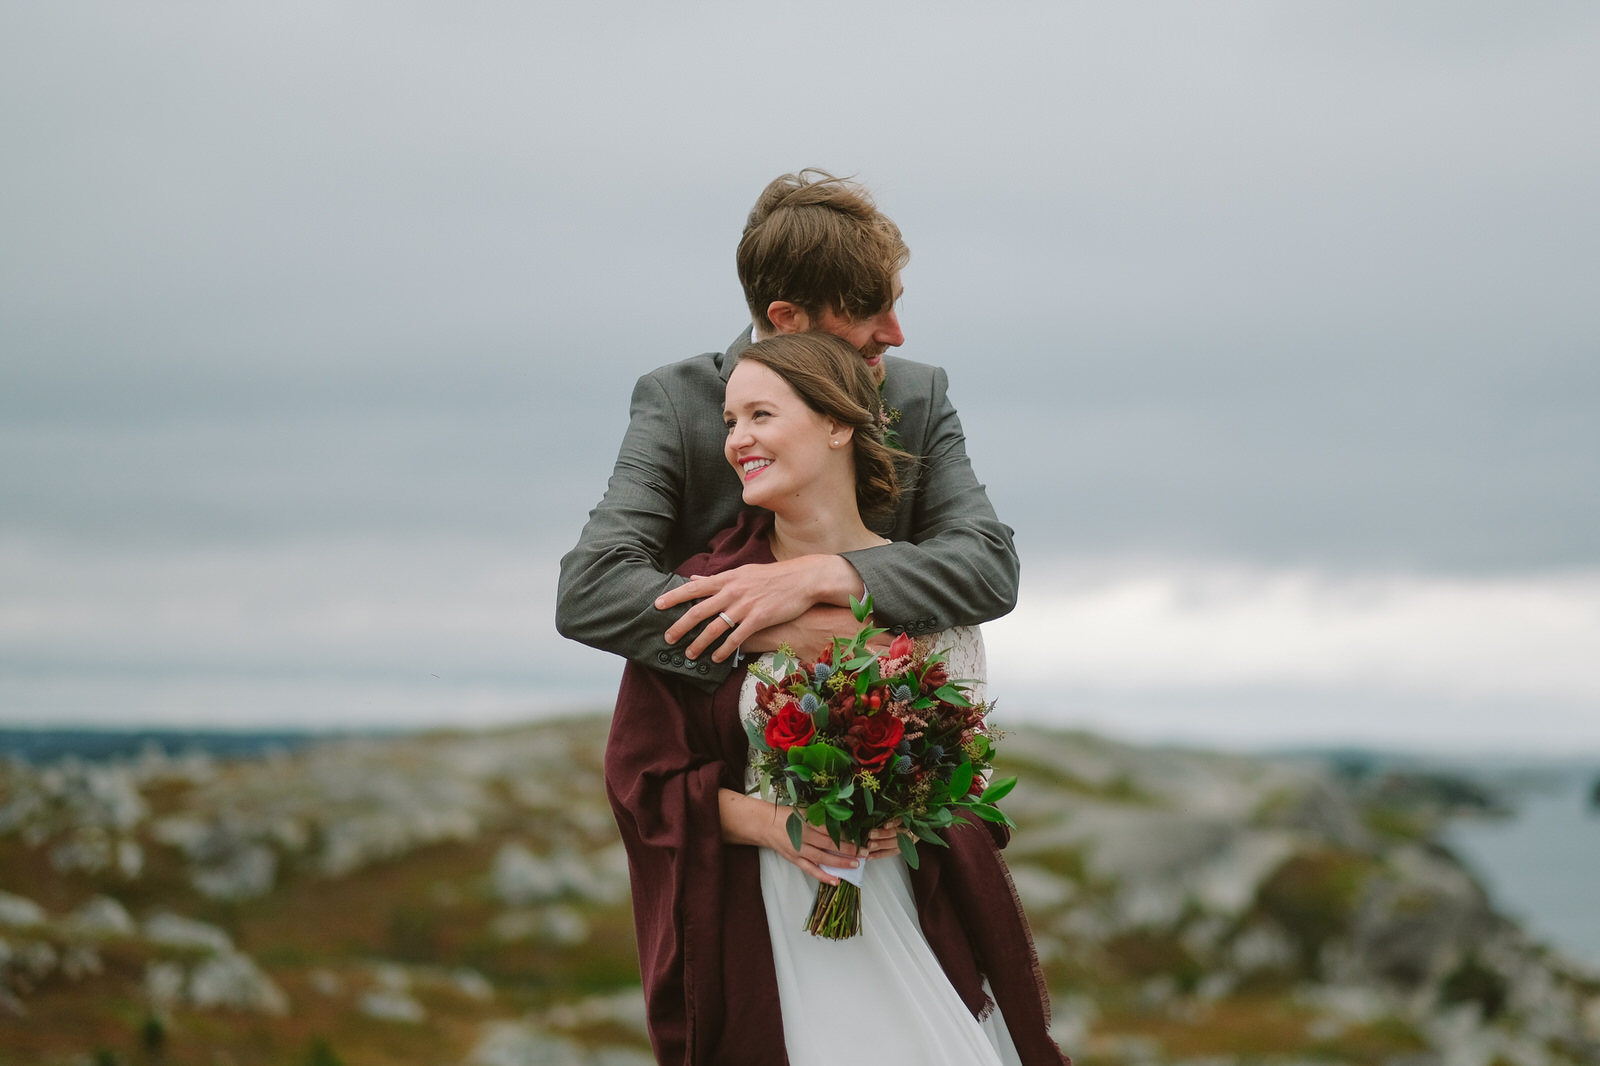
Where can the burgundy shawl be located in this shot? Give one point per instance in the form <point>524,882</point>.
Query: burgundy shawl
<point>710,985</point>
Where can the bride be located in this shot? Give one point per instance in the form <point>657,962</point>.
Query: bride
<point>943,970</point>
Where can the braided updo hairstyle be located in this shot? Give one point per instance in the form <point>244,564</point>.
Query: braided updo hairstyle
<point>833,380</point>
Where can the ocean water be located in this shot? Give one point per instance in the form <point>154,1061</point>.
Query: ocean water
<point>1542,865</point>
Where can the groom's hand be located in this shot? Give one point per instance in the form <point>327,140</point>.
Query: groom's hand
<point>757,597</point>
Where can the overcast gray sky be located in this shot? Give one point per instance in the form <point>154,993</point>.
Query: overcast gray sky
<point>1295,288</point>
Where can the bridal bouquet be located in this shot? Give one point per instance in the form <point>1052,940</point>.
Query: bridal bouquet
<point>859,738</point>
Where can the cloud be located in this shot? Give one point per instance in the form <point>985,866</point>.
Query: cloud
<point>362,632</point>
<point>1254,657</point>
<point>1215,627</point>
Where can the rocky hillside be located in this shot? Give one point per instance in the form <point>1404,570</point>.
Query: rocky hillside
<point>462,898</point>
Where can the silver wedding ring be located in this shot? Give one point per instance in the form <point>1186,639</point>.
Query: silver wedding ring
<point>724,616</point>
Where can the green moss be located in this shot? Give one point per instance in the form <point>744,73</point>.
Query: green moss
<point>1313,896</point>
<point>322,1054</point>
<point>1143,954</point>
<point>1396,823</point>
<point>1473,982</point>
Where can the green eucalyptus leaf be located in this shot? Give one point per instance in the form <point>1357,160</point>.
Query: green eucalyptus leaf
<point>861,608</point>
<point>961,780</point>
<point>908,850</point>
<point>796,827</point>
<point>998,790</point>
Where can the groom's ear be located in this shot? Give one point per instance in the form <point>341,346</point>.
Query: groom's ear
<point>787,317</point>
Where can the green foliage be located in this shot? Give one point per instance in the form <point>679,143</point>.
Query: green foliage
<point>322,1054</point>
<point>414,934</point>
<point>1313,896</point>
<point>153,1034</point>
<point>1145,953</point>
<point>1473,982</point>
<point>998,790</point>
<point>908,850</point>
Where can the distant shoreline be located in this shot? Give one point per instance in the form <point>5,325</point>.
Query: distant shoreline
<point>48,745</point>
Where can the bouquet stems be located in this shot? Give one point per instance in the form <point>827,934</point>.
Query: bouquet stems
<point>836,914</point>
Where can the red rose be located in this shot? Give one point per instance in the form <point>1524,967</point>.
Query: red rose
<point>901,646</point>
<point>875,739</point>
<point>790,727</point>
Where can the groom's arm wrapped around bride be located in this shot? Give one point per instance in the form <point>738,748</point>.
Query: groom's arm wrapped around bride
<point>952,561</point>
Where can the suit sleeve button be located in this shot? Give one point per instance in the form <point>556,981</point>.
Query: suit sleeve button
<point>677,660</point>
<point>704,668</point>
<point>664,657</point>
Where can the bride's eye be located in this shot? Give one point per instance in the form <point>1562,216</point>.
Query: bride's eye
<point>729,424</point>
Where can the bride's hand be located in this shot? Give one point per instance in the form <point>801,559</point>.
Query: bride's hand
<point>809,634</point>
<point>884,842</point>
<point>817,849</point>
<point>756,597</point>
<point>750,820</point>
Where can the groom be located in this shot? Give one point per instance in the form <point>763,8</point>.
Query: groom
<point>816,255</point>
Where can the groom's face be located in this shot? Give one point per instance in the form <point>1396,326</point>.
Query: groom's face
<point>871,336</point>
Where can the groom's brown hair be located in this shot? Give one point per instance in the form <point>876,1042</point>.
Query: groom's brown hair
<point>820,243</point>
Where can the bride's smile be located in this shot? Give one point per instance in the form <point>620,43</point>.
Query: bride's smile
<point>781,449</point>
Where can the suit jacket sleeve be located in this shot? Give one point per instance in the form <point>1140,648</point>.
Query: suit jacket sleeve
<point>959,566</point>
<point>609,581</point>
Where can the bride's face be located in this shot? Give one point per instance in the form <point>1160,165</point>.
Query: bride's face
<point>777,445</point>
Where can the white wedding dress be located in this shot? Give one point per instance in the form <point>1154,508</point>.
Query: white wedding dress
<point>881,996</point>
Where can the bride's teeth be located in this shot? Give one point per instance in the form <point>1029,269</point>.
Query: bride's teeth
<point>756,464</point>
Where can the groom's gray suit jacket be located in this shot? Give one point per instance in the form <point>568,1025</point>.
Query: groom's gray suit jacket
<point>952,563</point>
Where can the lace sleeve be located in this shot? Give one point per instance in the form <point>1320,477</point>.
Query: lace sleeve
<point>747,711</point>
<point>964,656</point>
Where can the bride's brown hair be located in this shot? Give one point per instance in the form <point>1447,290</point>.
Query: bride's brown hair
<point>833,380</point>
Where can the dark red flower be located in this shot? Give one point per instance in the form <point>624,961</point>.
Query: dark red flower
<point>789,728</point>
<point>873,739</point>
